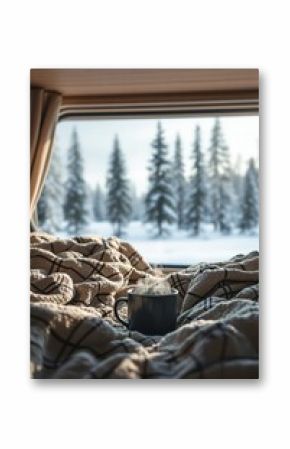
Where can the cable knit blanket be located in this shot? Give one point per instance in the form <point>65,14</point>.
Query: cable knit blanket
<point>74,283</point>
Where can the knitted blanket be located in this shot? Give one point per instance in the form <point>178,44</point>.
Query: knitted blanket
<point>74,283</point>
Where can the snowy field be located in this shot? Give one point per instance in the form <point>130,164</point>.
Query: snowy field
<point>178,247</point>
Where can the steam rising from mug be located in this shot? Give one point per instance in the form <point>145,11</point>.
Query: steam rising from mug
<point>153,287</point>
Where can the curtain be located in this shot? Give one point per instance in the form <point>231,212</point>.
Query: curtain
<point>44,110</point>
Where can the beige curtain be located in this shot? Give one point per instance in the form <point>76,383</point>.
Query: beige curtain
<point>44,110</point>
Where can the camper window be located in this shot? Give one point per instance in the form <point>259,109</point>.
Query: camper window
<point>175,186</point>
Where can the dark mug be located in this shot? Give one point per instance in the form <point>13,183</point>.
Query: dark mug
<point>149,314</point>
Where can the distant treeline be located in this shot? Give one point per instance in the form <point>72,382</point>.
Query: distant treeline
<point>215,191</point>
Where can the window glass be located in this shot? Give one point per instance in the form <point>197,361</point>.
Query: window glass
<point>182,190</point>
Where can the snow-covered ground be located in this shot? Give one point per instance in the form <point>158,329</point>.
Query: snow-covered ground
<point>178,247</point>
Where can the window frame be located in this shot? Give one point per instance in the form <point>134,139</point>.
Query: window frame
<point>192,104</point>
<point>158,106</point>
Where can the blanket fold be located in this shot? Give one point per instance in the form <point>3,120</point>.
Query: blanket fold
<point>74,334</point>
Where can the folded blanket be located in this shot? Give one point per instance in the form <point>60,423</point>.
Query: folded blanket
<point>74,283</point>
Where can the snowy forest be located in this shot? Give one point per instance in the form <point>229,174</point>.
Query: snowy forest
<point>215,199</point>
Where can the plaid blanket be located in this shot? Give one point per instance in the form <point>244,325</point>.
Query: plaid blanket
<point>74,283</point>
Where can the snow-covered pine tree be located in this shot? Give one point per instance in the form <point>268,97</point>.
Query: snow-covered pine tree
<point>250,205</point>
<point>42,208</point>
<point>49,208</point>
<point>99,204</point>
<point>237,188</point>
<point>179,183</point>
<point>159,200</point>
<point>75,210</point>
<point>197,195</point>
<point>118,191</point>
<point>220,190</point>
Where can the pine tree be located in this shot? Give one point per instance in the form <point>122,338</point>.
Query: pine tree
<point>220,181</point>
<point>49,208</point>
<point>42,208</point>
<point>99,204</point>
<point>75,210</point>
<point>237,189</point>
<point>118,191</point>
<point>197,196</point>
<point>250,204</point>
<point>179,183</point>
<point>159,201</point>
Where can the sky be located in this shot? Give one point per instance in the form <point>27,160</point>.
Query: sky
<point>241,134</point>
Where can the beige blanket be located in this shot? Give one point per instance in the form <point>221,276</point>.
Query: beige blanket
<point>74,283</point>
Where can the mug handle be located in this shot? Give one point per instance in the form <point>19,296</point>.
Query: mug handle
<point>116,307</point>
